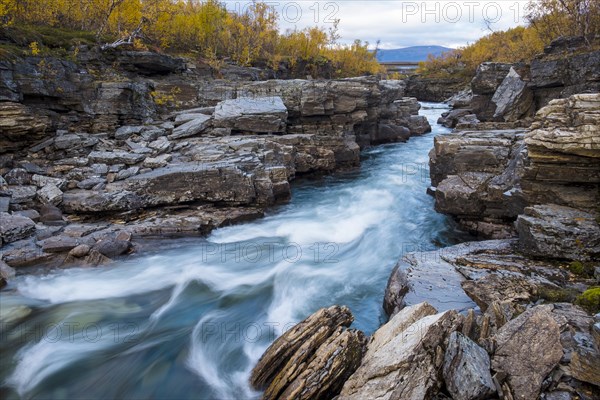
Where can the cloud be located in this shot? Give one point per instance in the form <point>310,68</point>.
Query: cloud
<point>399,23</point>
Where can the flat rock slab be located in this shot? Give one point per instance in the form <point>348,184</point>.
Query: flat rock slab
<point>191,127</point>
<point>263,115</point>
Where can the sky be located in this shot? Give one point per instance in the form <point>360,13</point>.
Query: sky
<point>399,23</point>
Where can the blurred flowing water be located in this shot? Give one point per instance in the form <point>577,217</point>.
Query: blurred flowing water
<point>192,318</point>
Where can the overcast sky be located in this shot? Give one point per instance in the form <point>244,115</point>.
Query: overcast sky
<point>401,23</point>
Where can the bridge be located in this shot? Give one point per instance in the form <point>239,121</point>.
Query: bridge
<point>406,67</point>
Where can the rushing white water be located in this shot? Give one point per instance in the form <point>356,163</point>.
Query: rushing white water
<point>190,321</point>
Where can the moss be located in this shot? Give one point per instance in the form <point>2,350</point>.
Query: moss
<point>584,270</point>
<point>590,300</point>
<point>557,295</point>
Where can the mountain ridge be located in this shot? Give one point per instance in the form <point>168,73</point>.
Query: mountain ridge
<point>410,54</point>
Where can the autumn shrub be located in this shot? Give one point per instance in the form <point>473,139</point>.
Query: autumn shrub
<point>206,28</point>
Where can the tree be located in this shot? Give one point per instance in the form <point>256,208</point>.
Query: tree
<point>554,18</point>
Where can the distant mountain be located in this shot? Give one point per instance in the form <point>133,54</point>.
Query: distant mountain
<point>413,54</point>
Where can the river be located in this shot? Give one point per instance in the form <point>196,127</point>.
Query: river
<point>190,320</point>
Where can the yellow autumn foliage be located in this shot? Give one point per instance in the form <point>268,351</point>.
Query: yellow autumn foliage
<point>205,28</point>
<point>547,20</point>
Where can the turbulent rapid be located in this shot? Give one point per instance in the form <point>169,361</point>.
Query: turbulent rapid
<point>191,318</point>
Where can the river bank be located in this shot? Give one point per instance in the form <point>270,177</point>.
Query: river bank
<point>196,315</point>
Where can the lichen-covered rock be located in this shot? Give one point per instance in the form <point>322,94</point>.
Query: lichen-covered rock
<point>467,369</point>
<point>559,232</point>
<point>528,348</point>
<point>408,366</point>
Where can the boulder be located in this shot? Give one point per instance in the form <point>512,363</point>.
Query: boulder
<point>261,115</point>
<point>50,194</point>
<point>50,213</point>
<point>157,162</point>
<point>408,365</point>
<point>467,369</point>
<point>397,287</point>
<point>513,98</point>
<point>197,125</point>
<point>528,348</point>
<point>298,343</point>
<point>14,227</point>
<point>126,131</point>
<point>111,247</point>
<point>324,374</point>
<point>559,232</point>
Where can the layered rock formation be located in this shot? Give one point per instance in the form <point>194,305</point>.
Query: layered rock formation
<point>509,94</point>
<point>487,178</point>
<point>545,351</point>
<point>103,146</point>
<point>313,359</point>
<point>526,349</point>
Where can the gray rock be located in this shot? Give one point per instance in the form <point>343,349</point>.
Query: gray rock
<point>191,128</point>
<point>4,204</point>
<point>513,99</point>
<point>528,348</point>
<point>70,141</point>
<point>17,176</point>
<point>50,194</point>
<point>22,194</point>
<point>126,173</point>
<point>115,157</point>
<point>451,118</point>
<point>90,182</point>
<point>397,287</point>
<point>152,133</point>
<point>99,169</point>
<point>157,162</point>
<point>314,330</point>
<point>15,227</point>
<point>112,248</point>
<point>125,132</point>
<point>6,271</point>
<point>262,115</point>
<point>181,119</point>
<point>467,369</point>
<point>50,213</point>
<point>41,181</point>
<point>31,214</point>
<point>80,251</point>
<point>58,244</point>
<point>556,231</point>
<point>325,373</point>
<point>161,145</point>
<point>408,366</point>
